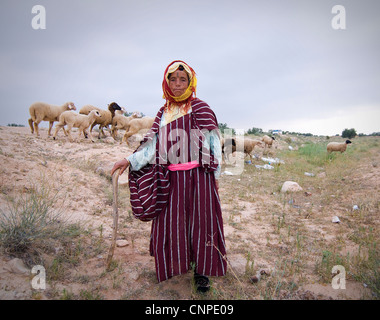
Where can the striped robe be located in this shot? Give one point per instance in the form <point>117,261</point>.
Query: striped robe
<point>189,227</point>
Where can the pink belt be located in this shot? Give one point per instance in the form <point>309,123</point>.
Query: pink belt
<point>183,166</point>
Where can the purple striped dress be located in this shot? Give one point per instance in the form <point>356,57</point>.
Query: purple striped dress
<point>185,210</point>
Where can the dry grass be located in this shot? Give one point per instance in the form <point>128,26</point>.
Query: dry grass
<point>302,244</point>
<point>290,236</point>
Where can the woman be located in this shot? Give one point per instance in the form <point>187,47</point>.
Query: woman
<point>173,182</point>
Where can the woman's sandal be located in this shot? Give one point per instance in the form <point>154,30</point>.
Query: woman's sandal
<point>202,283</point>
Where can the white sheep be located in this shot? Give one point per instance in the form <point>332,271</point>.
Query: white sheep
<point>249,145</point>
<point>337,146</point>
<point>41,111</point>
<point>106,116</point>
<point>121,122</point>
<point>136,125</point>
<point>268,142</point>
<point>229,146</point>
<point>80,121</point>
<point>120,112</point>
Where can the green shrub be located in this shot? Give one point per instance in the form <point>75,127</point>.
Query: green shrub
<point>314,153</point>
<point>30,220</point>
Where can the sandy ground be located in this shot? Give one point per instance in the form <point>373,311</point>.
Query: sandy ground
<point>81,171</point>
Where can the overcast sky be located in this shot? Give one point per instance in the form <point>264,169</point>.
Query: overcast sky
<point>265,64</point>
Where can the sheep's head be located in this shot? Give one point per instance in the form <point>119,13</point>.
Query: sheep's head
<point>71,106</point>
<point>97,113</point>
<point>348,141</point>
<point>114,106</point>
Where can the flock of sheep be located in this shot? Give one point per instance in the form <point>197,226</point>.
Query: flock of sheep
<point>229,145</point>
<point>88,117</point>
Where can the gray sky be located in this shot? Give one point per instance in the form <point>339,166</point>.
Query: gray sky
<point>266,64</point>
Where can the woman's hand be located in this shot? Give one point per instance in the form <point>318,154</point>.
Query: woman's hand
<point>217,184</point>
<point>122,165</point>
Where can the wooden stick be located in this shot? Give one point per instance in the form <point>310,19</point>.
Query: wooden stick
<point>115,178</point>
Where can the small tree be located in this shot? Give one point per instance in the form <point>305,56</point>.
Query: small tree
<point>349,133</point>
<point>223,126</point>
<point>255,131</point>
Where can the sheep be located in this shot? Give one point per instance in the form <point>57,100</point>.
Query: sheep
<point>41,111</point>
<point>268,141</point>
<point>249,145</point>
<point>229,146</point>
<point>120,112</point>
<point>121,122</point>
<point>80,121</point>
<point>106,118</point>
<point>135,125</point>
<point>337,146</point>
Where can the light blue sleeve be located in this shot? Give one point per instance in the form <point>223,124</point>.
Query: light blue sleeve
<point>145,155</point>
<point>213,139</point>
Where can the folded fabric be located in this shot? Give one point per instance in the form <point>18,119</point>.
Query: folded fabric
<point>183,166</point>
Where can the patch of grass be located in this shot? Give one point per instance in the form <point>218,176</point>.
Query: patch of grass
<point>66,295</point>
<point>90,294</point>
<point>328,261</point>
<point>31,226</point>
<point>366,263</point>
<point>314,153</point>
<point>30,220</point>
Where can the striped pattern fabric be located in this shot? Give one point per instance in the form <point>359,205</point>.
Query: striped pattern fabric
<point>149,191</point>
<point>149,186</point>
<point>188,227</point>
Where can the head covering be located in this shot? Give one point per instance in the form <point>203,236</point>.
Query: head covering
<point>191,89</point>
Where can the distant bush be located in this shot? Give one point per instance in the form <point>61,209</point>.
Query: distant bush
<point>349,133</point>
<point>224,126</point>
<point>298,133</point>
<point>255,131</point>
<point>15,125</point>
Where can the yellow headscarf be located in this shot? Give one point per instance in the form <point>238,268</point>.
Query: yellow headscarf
<point>185,97</point>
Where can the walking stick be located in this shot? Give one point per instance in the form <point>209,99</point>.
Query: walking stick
<point>115,178</point>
